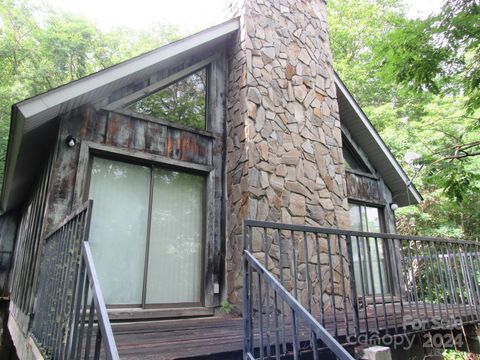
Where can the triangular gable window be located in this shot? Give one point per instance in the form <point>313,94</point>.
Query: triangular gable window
<point>352,159</point>
<point>183,102</point>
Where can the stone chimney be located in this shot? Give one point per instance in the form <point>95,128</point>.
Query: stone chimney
<point>284,144</point>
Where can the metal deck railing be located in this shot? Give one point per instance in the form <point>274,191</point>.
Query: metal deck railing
<point>353,284</point>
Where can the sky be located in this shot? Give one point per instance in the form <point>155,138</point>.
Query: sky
<point>188,15</point>
<point>423,8</point>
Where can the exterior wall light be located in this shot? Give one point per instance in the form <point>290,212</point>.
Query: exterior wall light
<point>393,206</point>
<point>70,141</point>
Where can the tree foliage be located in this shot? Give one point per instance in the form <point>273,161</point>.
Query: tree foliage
<point>42,48</point>
<point>182,102</point>
<point>417,80</point>
<point>440,54</point>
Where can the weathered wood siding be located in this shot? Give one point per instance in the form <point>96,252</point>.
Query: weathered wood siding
<point>363,188</point>
<point>28,249</point>
<point>8,232</point>
<point>63,182</point>
<point>117,131</point>
<point>369,188</point>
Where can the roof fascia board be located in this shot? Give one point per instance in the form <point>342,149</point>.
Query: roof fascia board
<point>36,106</point>
<point>13,149</point>
<point>377,138</point>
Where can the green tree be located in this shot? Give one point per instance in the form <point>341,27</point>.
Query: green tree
<point>42,48</point>
<point>440,54</point>
<point>407,80</point>
<point>182,102</point>
<point>356,27</point>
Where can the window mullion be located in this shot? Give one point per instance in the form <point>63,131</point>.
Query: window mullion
<point>147,247</point>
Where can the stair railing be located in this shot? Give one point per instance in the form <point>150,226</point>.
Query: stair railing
<point>70,319</point>
<point>90,327</point>
<point>276,324</point>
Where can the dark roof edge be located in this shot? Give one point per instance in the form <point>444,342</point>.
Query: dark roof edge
<point>13,148</point>
<point>45,103</point>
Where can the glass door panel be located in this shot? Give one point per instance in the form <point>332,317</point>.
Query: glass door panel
<point>118,232</point>
<point>176,236</point>
<point>368,264</point>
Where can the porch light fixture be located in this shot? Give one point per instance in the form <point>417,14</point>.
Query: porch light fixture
<point>394,206</point>
<point>70,141</point>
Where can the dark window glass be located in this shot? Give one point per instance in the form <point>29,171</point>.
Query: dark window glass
<point>182,102</point>
<point>352,159</point>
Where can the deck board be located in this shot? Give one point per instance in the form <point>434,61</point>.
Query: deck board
<point>207,336</point>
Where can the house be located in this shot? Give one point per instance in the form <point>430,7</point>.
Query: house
<point>232,165</point>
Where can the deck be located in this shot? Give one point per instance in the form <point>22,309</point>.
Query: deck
<point>222,337</point>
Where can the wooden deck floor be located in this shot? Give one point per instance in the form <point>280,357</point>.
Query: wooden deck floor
<point>222,337</point>
<point>179,339</point>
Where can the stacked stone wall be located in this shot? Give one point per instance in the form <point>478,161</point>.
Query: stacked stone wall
<point>284,150</point>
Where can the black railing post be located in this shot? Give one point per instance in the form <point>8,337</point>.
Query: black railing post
<point>309,292</point>
<point>353,286</point>
<point>280,261</point>
<point>475,263</point>
<point>320,280</point>
<point>247,345</point>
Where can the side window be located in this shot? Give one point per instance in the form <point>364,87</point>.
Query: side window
<point>369,260</point>
<point>365,218</point>
<point>183,102</point>
<point>352,159</point>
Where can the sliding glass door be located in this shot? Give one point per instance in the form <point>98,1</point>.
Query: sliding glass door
<point>147,233</point>
<point>175,253</point>
<point>118,230</point>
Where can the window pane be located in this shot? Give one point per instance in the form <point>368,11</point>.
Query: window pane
<point>367,218</point>
<point>183,102</point>
<point>174,262</point>
<point>355,220</point>
<point>120,194</point>
<point>352,158</point>
<point>372,219</point>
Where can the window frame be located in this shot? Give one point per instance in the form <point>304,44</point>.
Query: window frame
<point>349,145</point>
<point>89,150</point>
<point>126,108</point>
<point>389,281</point>
<point>208,64</point>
